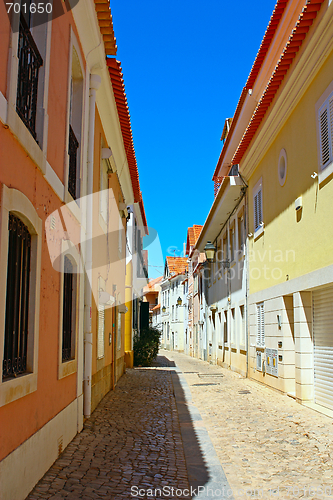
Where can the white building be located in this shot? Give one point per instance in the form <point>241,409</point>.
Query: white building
<point>173,303</point>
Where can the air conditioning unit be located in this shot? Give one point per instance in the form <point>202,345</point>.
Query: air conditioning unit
<point>259,361</point>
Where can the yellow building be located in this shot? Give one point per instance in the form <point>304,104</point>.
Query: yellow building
<point>281,138</point>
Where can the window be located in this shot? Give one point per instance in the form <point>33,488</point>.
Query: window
<point>100,320</point>
<point>21,240</point>
<point>242,325</point>
<point>173,313</point>
<point>104,193</point>
<point>176,313</point>
<point>233,326</point>
<point>75,126</point>
<point>232,241</point>
<point>260,325</point>
<point>257,208</point>
<point>225,327</point>
<point>17,299</point>
<point>118,329</point>
<point>69,310</point>
<point>325,125</point>
<point>225,247</point>
<point>241,230</point>
<point>29,63</point>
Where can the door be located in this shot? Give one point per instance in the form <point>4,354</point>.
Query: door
<point>323,346</point>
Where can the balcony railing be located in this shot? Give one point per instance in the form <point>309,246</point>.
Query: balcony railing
<point>30,61</point>
<point>73,145</point>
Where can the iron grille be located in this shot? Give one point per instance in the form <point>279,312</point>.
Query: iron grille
<point>73,145</point>
<point>67,324</point>
<point>17,299</point>
<point>30,61</point>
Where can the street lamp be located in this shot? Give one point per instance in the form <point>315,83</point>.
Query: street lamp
<point>210,250</point>
<point>179,301</point>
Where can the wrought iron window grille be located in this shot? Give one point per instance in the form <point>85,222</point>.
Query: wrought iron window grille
<point>73,145</point>
<point>67,324</point>
<point>17,299</point>
<point>30,62</point>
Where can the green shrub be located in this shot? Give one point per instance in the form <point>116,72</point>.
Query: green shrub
<point>145,346</point>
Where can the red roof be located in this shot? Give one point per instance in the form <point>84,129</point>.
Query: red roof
<point>154,282</point>
<point>118,86</point>
<point>306,18</point>
<point>264,47</point>
<point>177,265</point>
<point>193,234</point>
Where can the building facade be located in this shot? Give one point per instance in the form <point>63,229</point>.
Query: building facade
<point>173,306</point>
<point>67,175</point>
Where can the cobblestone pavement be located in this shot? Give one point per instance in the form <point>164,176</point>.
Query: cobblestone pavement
<point>269,445</point>
<point>132,439</point>
<point>188,423</point>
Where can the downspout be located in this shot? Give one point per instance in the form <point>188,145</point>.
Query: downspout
<point>95,81</point>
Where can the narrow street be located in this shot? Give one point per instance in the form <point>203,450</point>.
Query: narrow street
<point>185,423</point>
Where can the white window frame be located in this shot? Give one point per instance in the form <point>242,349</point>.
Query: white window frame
<point>100,321</point>
<point>325,102</point>
<point>37,151</point>
<point>242,327</point>
<point>233,327</point>
<point>104,196</point>
<point>75,54</point>
<point>260,336</point>
<point>16,202</point>
<point>258,219</point>
<point>66,368</point>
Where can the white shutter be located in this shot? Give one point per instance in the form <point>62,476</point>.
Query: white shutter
<point>100,331</point>
<point>323,346</point>
<point>331,124</point>
<point>257,202</point>
<point>260,325</point>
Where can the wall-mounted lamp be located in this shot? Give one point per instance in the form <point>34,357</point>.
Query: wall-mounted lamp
<point>210,250</point>
<point>122,309</point>
<point>298,203</point>
<point>163,309</point>
<point>106,153</point>
<point>314,175</point>
<point>179,301</point>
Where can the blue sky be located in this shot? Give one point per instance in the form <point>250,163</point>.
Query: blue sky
<point>184,66</point>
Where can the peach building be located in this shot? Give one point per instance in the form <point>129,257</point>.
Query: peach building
<point>68,174</point>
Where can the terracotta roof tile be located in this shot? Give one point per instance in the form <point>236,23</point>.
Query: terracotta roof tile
<point>294,43</point>
<point>118,86</point>
<point>105,23</point>
<point>193,234</point>
<point>177,265</point>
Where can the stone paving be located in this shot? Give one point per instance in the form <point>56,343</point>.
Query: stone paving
<point>132,439</point>
<point>269,446</point>
<point>186,422</point>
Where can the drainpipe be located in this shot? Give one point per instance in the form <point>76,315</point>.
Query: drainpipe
<point>95,81</point>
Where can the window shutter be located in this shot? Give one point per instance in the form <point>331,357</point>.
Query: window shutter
<point>260,325</point>
<point>257,210</point>
<point>324,137</point>
<point>100,332</point>
<point>331,124</point>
